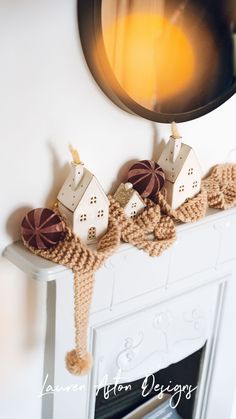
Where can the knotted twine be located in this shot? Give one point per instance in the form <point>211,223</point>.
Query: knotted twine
<point>84,262</point>
<point>218,191</point>
<point>220,186</point>
<point>138,231</point>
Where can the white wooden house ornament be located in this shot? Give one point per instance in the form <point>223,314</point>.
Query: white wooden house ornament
<point>129,199</point>
<point>182,170</point>
<point>83,203</point>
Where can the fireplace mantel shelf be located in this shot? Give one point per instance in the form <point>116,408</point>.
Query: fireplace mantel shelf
<point>44,270</point>
<point>147,313</point>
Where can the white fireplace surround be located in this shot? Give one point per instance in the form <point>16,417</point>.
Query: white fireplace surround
<point>147,313</point>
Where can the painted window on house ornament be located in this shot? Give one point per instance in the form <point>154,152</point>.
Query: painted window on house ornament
<point>92,233</point>
<point>133,214</point>
<point>190,171</point>
<point>100,213</point>
<point>93,200</point>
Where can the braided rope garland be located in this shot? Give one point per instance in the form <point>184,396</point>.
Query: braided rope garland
<point>151,231</point>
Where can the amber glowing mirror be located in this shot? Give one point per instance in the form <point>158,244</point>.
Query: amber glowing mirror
<point>164,60</point>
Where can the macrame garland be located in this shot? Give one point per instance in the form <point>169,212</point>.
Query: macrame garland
<point>84,262</point>
<point>79,360</point>
<point>137,231</point>
<point>191,211</point>
<point>220,186</point>
<point>151,231</point>
<point>218,191</point>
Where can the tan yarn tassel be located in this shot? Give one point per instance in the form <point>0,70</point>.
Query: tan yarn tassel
<point>79,361</point>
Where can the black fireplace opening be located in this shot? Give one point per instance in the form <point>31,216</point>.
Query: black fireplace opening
<point>183,373</point>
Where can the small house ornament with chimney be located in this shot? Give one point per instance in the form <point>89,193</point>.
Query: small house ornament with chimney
<point>129,199</point>
<point>182,170</point>
<point>83,202</point>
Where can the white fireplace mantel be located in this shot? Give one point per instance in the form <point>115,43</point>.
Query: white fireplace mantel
<point>147,313</point>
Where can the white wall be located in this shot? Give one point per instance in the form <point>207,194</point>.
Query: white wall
<point>48,99</point>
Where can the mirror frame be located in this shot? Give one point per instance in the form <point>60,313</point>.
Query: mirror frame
<point>89,15</point>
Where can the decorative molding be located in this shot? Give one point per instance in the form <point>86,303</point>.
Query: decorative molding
<point>132,355</point>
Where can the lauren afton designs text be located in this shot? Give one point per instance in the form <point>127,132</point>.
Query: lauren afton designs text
<point>148,386</point>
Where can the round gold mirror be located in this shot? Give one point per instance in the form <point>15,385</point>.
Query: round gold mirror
<point>164,60</point>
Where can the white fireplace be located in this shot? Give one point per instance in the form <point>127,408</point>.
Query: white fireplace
<point>147,314</point>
